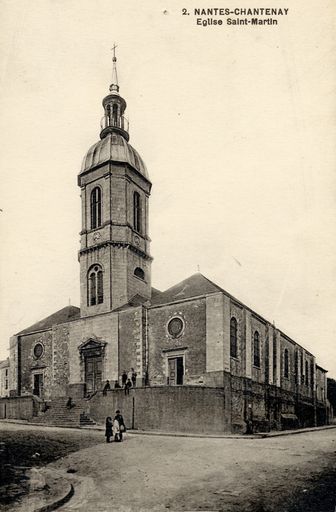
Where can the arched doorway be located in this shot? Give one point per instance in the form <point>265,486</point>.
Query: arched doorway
<point>92,355</point>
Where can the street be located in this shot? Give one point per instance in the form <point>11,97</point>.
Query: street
<point>155,473</point>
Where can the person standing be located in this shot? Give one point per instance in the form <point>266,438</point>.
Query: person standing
<point>133,377</point>
<point>108,429</point>
<point>124,378</point>
<point>118,426</point>
<point>128,385</point>
<point>106,387</point>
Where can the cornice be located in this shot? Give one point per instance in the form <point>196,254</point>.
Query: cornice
<point>116,224</point>
<point>115,243</point>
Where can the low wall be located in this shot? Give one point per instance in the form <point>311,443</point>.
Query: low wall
<point>171,409</point>
<point>20,408</point>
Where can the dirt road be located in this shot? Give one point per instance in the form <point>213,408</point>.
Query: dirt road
<point>149,473</point>
<point>295,473</point>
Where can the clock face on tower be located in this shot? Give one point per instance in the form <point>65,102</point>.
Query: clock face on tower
<point>96,237</point>
<point>136,240</point>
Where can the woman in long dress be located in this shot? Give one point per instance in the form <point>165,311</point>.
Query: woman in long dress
<point>108,429</point>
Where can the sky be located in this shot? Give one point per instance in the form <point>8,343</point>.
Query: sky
<point>236,125</point>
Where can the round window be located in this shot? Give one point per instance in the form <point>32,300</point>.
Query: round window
<point>38,350</point>
<point>175,327</point>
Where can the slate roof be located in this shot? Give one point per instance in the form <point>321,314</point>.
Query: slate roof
<point>193,286</point>
<point>60,317</point>
<point>5,363</point>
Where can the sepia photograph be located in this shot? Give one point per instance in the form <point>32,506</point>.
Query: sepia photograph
<point>168,270</point>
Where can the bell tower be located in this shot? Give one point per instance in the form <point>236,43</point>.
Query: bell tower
<point>114,257</point>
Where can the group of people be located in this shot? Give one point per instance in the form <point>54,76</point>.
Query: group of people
<point>128,380</point>
<point>115,428</point>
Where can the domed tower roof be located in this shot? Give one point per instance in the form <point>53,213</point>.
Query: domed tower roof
<point>113,147</point>
<point>114,135</point>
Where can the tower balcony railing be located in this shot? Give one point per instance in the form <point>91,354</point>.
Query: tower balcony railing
<point>119,122</point>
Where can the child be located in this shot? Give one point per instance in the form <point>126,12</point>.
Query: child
<point>108,429</point>
<point>118,426</point>
<point>116,430</point>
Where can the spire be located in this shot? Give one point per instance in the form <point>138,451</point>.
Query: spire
<point>114,105</point>
<point>114,87</point>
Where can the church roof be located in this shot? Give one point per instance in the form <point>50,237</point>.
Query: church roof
<point>5,363</point>
<point>60,317</point>
<point>113,147</point>
<point>193,286</point>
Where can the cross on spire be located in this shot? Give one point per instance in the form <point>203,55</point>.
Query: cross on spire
<point>113,49</point>
<point>114,85</point>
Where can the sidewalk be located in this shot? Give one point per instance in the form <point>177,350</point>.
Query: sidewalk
<point>258,435</point>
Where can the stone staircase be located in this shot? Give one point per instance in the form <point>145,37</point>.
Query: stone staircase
<point>58,414</point>
<point>86,421</point>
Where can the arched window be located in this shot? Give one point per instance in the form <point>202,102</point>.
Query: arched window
<point>136,212</point>
<point>306,373</point>
<point>301,368</point>
<point>256,350</point>
<point>115,114</point>
<point>286,364</point>
<point>95,208</point>
<point>95,286</point>
<point>296,367</point>
<point>139,273</point>
<point>233,337</point>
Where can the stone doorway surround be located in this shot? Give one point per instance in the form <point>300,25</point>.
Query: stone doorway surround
<point>92,352</point>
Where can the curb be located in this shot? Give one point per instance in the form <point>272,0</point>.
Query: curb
<point>257,435</point>
<point>47,503</point>
<point>58,503</point>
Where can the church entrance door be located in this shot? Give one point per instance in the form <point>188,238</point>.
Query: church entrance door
<point>93,373</point>
<point>175,371</point>
<point>38,384</point>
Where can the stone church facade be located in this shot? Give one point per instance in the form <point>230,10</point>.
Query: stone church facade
<point>193,334</point>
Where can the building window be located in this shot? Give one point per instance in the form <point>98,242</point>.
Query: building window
<point>296,367</point>
<point>95,208</point>
<point>139,273</point>
<point>95,286</point>
<point>233,337</point>
<point>306,374</point>
<point>286,364</point>
<point>38,350</point>
<point>301,368</point>
<point>274,357</point>
<point>312,375</point>
<point>6,384</point>
<point>136,212</point>
<point>256,350</point>
<point>175,327</point>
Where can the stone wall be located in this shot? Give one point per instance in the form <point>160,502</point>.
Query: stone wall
<point>31,365</point>
<point>21,408</point>
<point>171,409</point>
<point>131,342</point>
<point>103,328</point>
<point>192,342</point>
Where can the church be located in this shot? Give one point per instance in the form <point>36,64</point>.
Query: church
<point>194,339</point>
